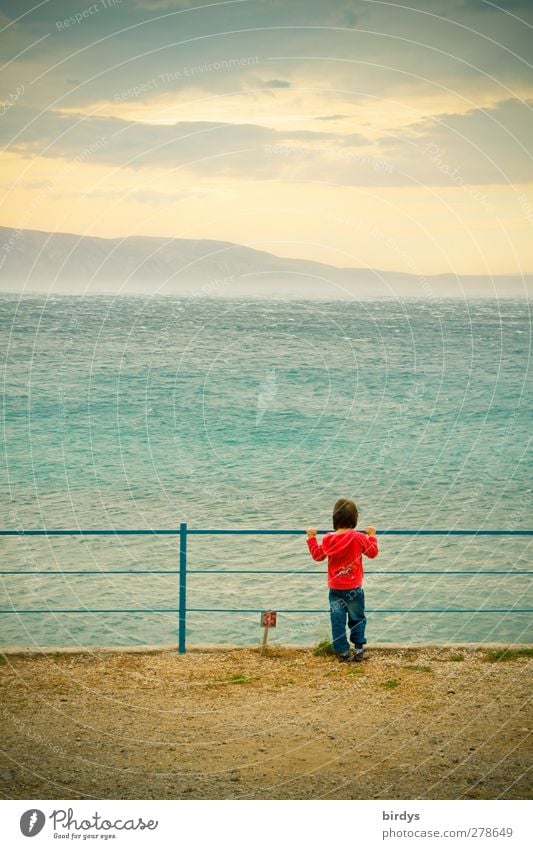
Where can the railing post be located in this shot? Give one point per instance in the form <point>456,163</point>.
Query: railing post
<point>183,588</point>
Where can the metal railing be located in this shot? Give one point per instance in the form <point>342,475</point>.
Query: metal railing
<point>183,532</point>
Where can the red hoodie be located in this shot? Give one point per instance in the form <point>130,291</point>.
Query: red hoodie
<point>344,552</point>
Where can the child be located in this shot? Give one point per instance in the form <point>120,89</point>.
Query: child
<point>344,548</point>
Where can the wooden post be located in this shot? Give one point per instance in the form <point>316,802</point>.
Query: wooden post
<point>268,620</point>
<point>265,640</point>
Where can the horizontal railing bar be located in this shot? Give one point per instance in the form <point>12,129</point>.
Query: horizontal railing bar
<point>367,572</point>
<point>80,532</point>
<point>262,572</point>
<point>435,532</point>
<point>196,531</point>
<point>377,610</point>
<point>259,610</point>
<point>100,610</point>
<point>94,572</point>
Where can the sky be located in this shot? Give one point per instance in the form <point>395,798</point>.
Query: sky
<point>390,135</point>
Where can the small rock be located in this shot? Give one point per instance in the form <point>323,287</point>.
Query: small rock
<point>235,778</point>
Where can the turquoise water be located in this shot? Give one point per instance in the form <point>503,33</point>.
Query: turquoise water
<point>144,412</point>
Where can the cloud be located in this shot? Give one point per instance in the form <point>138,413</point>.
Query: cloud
<point>204,148</point>
<point>278,83</point>
<point>353,140</point>
<point>482,146</point>
<point>329,117</point>
<point>467,46</point>
<point>157,5</point>
<point>495,6</point>
<point>134,144</point>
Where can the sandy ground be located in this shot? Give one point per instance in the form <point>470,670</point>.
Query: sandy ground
<point>413,723</point>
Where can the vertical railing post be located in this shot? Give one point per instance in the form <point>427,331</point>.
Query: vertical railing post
<point>183,589</point>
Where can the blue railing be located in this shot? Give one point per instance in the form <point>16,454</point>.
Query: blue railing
<point>183,532</point>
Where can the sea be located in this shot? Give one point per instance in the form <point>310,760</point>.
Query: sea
<point>146,412</point>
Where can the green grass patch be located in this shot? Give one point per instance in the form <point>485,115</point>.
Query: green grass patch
<point>237,678</point>
<point>456,658</point>
<point>391,683</point>
<point>324,648</point>
<point>499,655</point>
<point>3,660</point>
<point>418,667</point>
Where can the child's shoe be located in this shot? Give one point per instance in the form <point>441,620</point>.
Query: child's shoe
<point>359,655</point>
<point>345,657</point>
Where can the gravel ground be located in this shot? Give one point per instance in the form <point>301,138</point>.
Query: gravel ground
<point>407,724</point>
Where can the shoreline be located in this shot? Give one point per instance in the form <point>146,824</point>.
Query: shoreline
<point>13,651</point>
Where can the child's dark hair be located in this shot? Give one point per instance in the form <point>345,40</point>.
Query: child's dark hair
<point>345,514</point>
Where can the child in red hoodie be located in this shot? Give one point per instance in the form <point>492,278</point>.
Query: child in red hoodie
<point>344,549</point>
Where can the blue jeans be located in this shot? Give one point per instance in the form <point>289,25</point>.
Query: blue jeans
<point>347,607</point>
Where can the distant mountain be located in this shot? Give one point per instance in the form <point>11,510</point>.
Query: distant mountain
<point>36,261</point>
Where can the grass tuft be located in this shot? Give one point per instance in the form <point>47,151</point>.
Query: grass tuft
<point>237,678</point>
<point>456,658</point>
<point>324,648</point>
<point>418,667</point>
<point>499,655</point>
<point>391,683</point>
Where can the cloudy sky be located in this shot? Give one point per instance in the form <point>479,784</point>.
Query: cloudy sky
<point>394,135</point>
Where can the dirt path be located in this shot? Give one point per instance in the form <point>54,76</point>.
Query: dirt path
<point>414,723</point>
